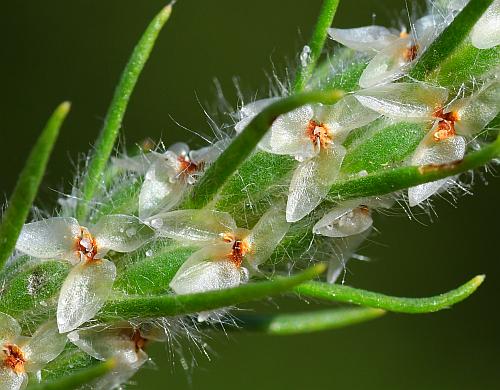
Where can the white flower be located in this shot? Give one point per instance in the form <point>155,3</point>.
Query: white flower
<point>120,342</point>
<point>171,173</point>
<point>394,52</point>
<point>414,102</point>
<point>20,355</point>
<point>486,32</point>
<point>89,282</point>
<point>313,134</point>
<point>226,263</point>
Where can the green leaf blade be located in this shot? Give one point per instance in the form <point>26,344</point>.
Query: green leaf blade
<point>171,305</point>
<point>28,183</point>
<point>340,293</point>
<point>308,322</point>
<point>117,108</point>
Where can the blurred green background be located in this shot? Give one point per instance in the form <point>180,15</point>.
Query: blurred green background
<point>56,50</point>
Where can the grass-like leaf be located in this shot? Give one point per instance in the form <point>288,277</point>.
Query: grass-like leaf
<point>243,145</point>
<point>77,378</point>
<point>172,305</point>
<point>117,108</point>
<point>308,322</point>
<point>318,38</point>
<point>27,185</point>
<point>450,39</point>
<point>340,293</point>
<point>391,180</point>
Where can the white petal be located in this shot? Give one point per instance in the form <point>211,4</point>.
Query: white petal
<point>456,5</point>
<point>430,152</point>
<point>127,364</point>
<point>45,345</point>
<point>346,115</point>
<point>193,225</point>
<point>311,182</point>
<point>50,238</point>
<point>367,39</point>
<point>209,154</point>
<point>9,328</point>
<point>120,233</point>
<point>9,380</point>
<point>84,292</point>
<point>486,32</point>
<point>205,270</point>
<point>405,101</point>
<point>139,164</point>
<point>288,133</point>
<point>343,222</point>
<point>161,189</point>
<point>388,65</point>
<point>248,112</point>
<point>178,149</point>
<point>343,249</point>
<point>476,111</point>
<point>266,235</point>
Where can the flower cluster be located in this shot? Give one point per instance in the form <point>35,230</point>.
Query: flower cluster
<point>224,253</point>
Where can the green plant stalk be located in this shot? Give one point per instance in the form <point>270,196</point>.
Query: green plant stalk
<point>27,185</point>
<point>116,111</point>
<point>173,305</point>
<point>450,39</point>
<point>76,379</point>
<point>318,38</point>
<point>340,293</point>
<point>307,322</point>
<point>244,144</point>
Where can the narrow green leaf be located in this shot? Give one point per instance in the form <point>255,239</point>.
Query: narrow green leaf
<point>117,108</point>
<point>244,144</point>
<point>27,185</point>
<point>318,38</point>
<point>308,322</point>
<point>450,39</point>
<point>172,305</point>
<point>339,293</point>
<point>391,180</point>
<point>77,378</point>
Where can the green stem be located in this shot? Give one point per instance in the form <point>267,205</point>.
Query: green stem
<point>450,39</point>
<point>173,305</point>
<point>116,111</point>
<point>388,181</point>
<point>244,144</point>
<point>27,185</point>
<point>308,322</point>
<point>77,378</point>
<point>318,38</point>
<point>339,293</point>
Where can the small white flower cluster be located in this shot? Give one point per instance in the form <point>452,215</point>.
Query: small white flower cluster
<point>226,255</point>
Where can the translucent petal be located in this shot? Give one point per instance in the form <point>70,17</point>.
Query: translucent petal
<point>45,345</point>
<point>120,233</point>
<point>388,65</point>
<point>406,101</point>
<point>343,250</point>
<point>193,225</point>
<point>209,154</point>
<point>103,343</point>
<point>344,222</point>
<point>127,364</point>
<point>205,270</point>
<point>346,115</point>
<point>288,133</point>
<point>84,292</point>
<point>50,238</point>
<point>248,111</point>
<point>139,164</point>
<point>486,32</point>
<point>266,235</point>
<point>430,152</point>
<point>178,149</point>
<point>9,328</point>
<point>478,110</point>
<point>159,195</point>
<point>311,182</point>
<point>367,39</point>
<point>456,5</point>
<point>9,380</point>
